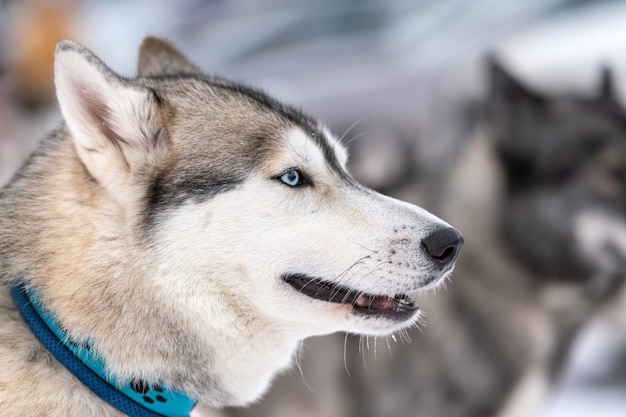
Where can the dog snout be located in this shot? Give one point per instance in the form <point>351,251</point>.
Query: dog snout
<point>443,246</point>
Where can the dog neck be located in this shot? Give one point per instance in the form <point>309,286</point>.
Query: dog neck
<point>137,398</point>
<point>183,343</point>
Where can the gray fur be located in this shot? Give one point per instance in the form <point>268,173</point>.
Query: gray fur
<point>214,152</point>
<point>158,57</point>
<point>91,222</point>
<point>522,289</point>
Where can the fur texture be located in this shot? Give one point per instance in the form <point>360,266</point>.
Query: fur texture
<point>539,194</point>
<point>160,222</point>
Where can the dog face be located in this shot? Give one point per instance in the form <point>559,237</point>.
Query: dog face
<point>236,215</point>
<point>312,248</point>
<point>565,165</point>
<point>306,234</point>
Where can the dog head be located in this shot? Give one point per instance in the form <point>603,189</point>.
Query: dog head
<point>242,210</point>
<point>564,160</point>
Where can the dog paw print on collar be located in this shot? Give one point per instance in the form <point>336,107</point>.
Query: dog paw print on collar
<point>134,398</point>
<point>152,396</point>
<point>150,393</point>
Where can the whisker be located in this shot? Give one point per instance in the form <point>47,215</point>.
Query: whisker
<point>352,126</point>
<point>374,269</point>
<point>334,292</point>
<point>310,281</point>
<point>352,139</point>
<point>375,353</point>
<point>348,270</point>
<point>389,346</point>
<point>351,266</point>
<point>363,354</point>
<point>345,298</point>
<point>405,336</point>
<point>420,322</point>
<point>366,248</point>
<point>298,361</point>
<point>360,344</point>
<point>345,356</point>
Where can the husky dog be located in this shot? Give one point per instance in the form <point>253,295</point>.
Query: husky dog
<point>540,194</point>
<point>180,235</point>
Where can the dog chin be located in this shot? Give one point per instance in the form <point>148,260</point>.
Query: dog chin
<point>382,327</point>
<point>375,314</point>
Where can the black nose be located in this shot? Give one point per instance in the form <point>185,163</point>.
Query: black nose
<point>443,246</point>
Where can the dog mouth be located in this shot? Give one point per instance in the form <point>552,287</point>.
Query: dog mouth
<point>397,307</point>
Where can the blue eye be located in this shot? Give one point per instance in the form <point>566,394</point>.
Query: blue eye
<point>292,178</point>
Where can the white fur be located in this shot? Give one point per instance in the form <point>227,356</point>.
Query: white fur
<point>340,150</point>
<point>338,234</point>
<point>602,239</point>
<point>210,269</point>
<point>82,87</point>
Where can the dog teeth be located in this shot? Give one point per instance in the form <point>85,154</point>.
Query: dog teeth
<point>402,299</point>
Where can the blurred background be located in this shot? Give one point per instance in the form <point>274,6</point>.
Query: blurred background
<point>410,72</point>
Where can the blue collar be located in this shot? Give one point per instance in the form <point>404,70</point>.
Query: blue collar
<point>136,398</point>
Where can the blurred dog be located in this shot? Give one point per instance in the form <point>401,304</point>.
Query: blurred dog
<point>180,235</point>
<point>540,193</point>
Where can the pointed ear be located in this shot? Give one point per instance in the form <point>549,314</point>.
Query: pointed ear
<point>516,114</point>
<point>606,92</point>
<point>159,57</point>
<point>507,95</point>
<point>115,125</point>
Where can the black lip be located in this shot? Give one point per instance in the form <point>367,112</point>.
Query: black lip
<point>398,308</point>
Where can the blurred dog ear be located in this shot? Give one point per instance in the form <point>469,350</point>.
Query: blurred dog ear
<point>159,57</point>
<point>606,92</point>
<point>509,102</point>
<point>515,114</point>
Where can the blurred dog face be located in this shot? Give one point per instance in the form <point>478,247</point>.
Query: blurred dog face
<point>565,165</point>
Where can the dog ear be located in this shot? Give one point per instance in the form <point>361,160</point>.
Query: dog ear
<point>515,114</point>
<point>159,57</point>
<point>114,125</point>
<point>606,92</point>
<point>509,102</point>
